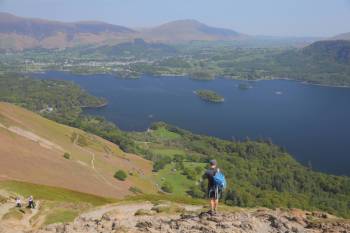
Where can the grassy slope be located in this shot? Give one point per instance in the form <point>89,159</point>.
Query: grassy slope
<point>258,173</point>
<point>63,205</point>
<point>27,160</point>
<point>49,193</point>
<point>56,204</point>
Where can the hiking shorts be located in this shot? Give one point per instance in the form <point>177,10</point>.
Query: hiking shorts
<point>214,193</point>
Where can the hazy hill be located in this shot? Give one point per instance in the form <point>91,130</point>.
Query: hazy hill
<point>32,149</point>
<point>333,50</point>
<point>137,48</point>
<point>20,33</point>
<point>188,30</point>
<point>343,36</point>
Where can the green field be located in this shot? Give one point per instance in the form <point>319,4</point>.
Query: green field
<point>61,215</point>
<point>162,133</point>
<point>177,179</point>
<point>168,151</point>
<point>48,193</point>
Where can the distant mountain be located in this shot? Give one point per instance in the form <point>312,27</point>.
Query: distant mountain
<point>344,36</point>
<point>137,48</point>
<point>333,50</point>
<point>188,30</point>
<point>19,33</point>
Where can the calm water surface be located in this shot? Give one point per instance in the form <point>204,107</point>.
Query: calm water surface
<point>312,122</point>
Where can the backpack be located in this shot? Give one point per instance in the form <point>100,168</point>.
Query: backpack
<point>219,180</point>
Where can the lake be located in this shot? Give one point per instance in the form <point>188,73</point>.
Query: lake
<point>311,122</point>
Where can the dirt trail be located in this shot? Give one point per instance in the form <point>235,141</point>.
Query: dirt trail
<point>123,211</point>
<point>93,163</point>
<point>33,137</point>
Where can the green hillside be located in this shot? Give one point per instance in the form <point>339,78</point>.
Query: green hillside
<point>50,97</point>
<point>332,51</point>
<point>258,172</point>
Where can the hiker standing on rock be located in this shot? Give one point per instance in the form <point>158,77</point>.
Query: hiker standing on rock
<point>216,184</point>
<point>18,202</point>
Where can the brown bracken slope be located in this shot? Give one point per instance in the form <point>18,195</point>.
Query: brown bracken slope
<point>32,149</point>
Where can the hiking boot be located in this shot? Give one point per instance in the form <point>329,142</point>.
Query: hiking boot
<point>211,212</point>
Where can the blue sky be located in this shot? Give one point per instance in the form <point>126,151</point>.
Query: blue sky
<point>257,17</point>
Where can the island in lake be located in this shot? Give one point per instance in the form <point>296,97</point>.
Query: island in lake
<point>209,96</point>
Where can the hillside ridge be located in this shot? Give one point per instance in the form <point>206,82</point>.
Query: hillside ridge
<point>20,33</point>
<point>33,148</point>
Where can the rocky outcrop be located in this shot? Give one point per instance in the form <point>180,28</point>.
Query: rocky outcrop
<point>247,221</point>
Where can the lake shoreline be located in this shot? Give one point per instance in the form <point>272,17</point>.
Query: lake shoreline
<point>196,79</point>
<point>288,119</point>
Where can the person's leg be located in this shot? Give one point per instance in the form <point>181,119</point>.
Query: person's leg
<point>217,197</point>
<point>212,204</point>
<point>216,204</point>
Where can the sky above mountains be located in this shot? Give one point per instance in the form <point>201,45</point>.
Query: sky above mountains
<point>257,17</point>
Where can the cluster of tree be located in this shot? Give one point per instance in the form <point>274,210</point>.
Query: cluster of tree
<point>59,100</point>
<point>210,96</point>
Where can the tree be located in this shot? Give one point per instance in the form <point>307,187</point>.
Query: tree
<point>120,175</point>
<point>195,192</point>
<point>66,155</point>
<point>190,173</point>
<point>167,187</point>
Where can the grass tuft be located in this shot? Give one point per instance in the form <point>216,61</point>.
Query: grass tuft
<point>61,216</point>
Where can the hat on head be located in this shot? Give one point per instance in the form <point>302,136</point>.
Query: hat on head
<point>213,162</point>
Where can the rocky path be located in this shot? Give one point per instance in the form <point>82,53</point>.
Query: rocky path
<point>144,217</point>
<point>22,225</point>
<point>4,208</point>
<point>124,211</point>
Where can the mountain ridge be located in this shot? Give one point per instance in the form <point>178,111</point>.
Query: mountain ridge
<point>188,30</point>
<point>342,36</point>
<point>20,33</point>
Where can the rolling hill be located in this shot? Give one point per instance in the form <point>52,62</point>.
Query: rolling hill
<point>32,149</point>
<point>19,33</point>
<point>188,30</point>
<point>343,36</point>
<point>333,50</point>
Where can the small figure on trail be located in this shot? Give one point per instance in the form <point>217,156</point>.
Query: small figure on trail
<point>31,203</point>
<point>216,184</point>
<point>18,202</point>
